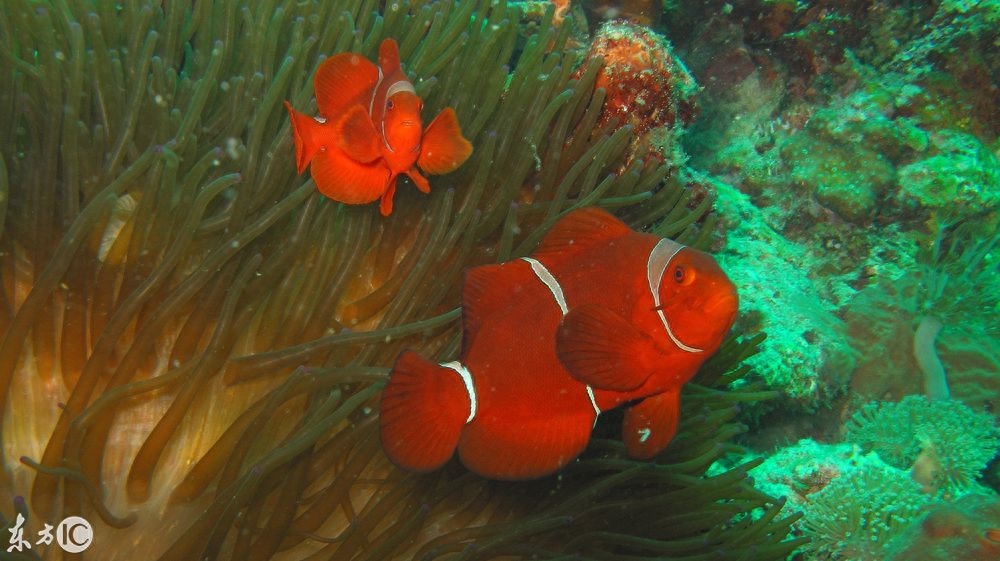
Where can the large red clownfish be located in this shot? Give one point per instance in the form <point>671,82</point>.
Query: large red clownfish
<point>369,131</point>
<point>598,316</point>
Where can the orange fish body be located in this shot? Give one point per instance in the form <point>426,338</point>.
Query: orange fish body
<point>369,131</point>
<point>598,316</point>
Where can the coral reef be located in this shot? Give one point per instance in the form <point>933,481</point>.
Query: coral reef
<point>856,516</point>
<point>646,86</point>
<point>944,443</point>
<point>806,353</point>
<point>857,507</point>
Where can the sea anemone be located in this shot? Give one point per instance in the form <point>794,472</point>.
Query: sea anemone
<point>194,339</point>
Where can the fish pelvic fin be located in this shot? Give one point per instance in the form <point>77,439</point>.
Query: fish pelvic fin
<point>424,409</point>
<point>385,205</point>
<point>420,181</point>
<point>651,424</point>
<point>601,348</point>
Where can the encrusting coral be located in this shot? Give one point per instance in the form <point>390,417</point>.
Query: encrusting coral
<point>193,338</point>
<point>944,443</point>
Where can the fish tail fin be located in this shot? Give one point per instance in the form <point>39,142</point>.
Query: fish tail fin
<point>305,130</point>
<point>424,409</point>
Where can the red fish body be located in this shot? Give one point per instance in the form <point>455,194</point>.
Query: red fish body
<point>369,131</point>
<point>597,316</point>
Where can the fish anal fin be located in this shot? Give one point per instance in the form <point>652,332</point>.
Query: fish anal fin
<point>342,179</point>
<point>344,80</point>
<point>651,424</point>
<point>580,230</point>
<point>524,448</point>
<point>357,136</point>
<point>601,348</point>
<point>423,411</point>
<point>443,148</point>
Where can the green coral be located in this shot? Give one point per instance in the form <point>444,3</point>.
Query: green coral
<point>958,177</point>
<point>959,441</point>
<point>857,514</point>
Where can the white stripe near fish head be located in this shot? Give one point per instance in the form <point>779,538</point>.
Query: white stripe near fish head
<point>400,86</point>
<point>395,88</point>
<point>659,259</point>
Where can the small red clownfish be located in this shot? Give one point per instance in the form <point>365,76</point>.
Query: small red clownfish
<point>597,317</point>
<point>369,131</point>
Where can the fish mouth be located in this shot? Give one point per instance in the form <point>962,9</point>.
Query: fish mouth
<point>726,301</point>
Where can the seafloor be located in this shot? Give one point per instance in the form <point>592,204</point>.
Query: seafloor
<point>194,340</point>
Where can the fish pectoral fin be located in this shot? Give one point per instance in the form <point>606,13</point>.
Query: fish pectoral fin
<point>651,424</point>
<point>423,411</point>
<point>442,147</point>
<point>602,349</point>
<point>578,231</point>
<point>356,135</point>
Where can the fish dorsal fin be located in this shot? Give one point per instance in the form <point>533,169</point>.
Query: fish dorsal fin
<point>356,135</point>
<point>651,424</point>
<point>580,230</point>
<point>487,290</point>
<point>602,349</point>
<point>388,59</point>
<point>344,80</point>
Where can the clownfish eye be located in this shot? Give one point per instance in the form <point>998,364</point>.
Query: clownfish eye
<point>679,275</point>
<point>683,275</point>
<point>389,104</point>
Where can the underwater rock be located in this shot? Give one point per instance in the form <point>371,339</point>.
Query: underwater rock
<point>965,530</point>
<point>806,355</point>
<point>646,86</point>
<point>846,180</point>
<point>955,177</point>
